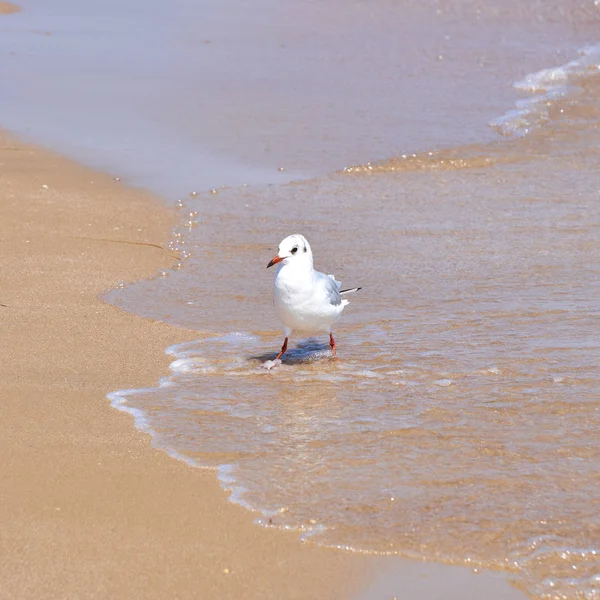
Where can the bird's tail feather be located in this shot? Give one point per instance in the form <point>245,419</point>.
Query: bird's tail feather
<point>350,290</point>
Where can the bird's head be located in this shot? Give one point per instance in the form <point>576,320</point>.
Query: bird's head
<point>294,249</point>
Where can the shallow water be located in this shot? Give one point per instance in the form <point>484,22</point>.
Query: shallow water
<point>185,96</point>
<point>460,422</point>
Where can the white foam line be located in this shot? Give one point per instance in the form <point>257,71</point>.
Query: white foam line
<point>549,86</point>
<point>225,472</point>
<point>229,483</point>
<point>118,400</point>
<point>191,349</point>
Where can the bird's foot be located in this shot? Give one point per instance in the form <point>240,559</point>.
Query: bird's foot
<point>270,364</point>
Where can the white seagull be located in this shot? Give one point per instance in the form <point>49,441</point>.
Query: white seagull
<point>306,300</point>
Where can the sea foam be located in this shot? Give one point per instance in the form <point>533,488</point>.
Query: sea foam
<point>548,88</point>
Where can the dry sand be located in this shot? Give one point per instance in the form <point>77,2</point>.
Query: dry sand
<point>88,509</point>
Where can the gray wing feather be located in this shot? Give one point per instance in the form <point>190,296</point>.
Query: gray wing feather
<point>332,288</point>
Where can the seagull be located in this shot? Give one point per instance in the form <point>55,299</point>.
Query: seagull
<point>306,300</point>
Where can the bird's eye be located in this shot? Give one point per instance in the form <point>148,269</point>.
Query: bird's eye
<point>294,249</point>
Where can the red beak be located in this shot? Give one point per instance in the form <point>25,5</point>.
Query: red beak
<point>276,259</point>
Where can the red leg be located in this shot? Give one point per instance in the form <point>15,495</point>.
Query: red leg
<point>283,349</point>
<point>332,344</point>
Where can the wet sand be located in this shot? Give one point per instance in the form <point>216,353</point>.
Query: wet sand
<point>88,508</point>
<point>6,8</point>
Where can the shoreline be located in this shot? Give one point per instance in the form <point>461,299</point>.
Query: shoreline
<point>80,481</point>
<point>90,509</point>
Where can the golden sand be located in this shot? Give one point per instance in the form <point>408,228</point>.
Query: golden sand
<point>89,508</point>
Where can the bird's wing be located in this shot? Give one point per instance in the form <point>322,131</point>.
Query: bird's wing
<point>331,287</point>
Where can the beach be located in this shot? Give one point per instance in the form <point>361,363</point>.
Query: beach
<point>89,509</point>
<point>440,156</point>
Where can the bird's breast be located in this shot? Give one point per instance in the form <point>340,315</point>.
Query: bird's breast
<point>292,287</point>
